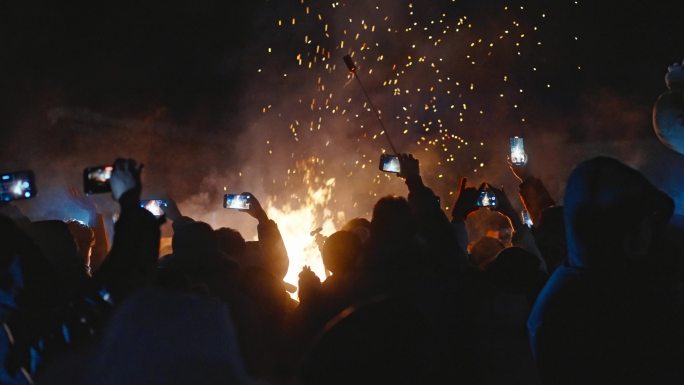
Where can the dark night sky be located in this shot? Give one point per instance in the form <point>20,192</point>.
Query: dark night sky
<point>191,68</point>
<point>125,58</point>
<point>179,87</point>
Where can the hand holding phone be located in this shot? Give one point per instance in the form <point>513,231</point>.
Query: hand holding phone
<point>255,209</point>
<point>504,207</point>
<point>126,177</point>
<point>156,206</point>
<point>410,167</point>
<point>237,201</point>
<point>466,202</point>
<point>17,185</point>
<point>171,211</point>
<point>486,197</point>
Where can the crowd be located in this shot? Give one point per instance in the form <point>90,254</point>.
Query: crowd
<point>591,293</point>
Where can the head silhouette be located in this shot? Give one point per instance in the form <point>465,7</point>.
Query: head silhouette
<point>341,251</point>
<point>84,237</point>
<point>484,251</point>
<point>230,242</point>
<point>195,239</point>
<point>393,220</point>
<point>56,243</point>
<point>612,213</point>
<point>360,227</point>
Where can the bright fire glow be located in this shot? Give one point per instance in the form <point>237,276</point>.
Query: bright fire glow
<point>296,224</point>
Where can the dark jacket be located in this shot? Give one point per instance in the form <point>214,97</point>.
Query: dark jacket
<point>605,316</point>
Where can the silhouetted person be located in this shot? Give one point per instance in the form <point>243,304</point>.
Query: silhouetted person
<point>132,261</point>
<point>517,271</point>
<point>272,248</point>
<point>84,237</point>
<point>386,341</point>
<point>484,251</point>
<point>319,303</point>
<point>195,255</point>
<point>606,316</point>
<point>231,244</point>
<point>168,337</point>
<point>29,295</point>
<point>360,227</point>
<point>341,252</point>
<point>57,244</point>
<point>393,233</point>
<point>413,254</point>
<point>96,224</point>
<point>549,234</point>
<point>502,297</point>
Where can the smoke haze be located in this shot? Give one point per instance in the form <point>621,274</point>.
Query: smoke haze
<point>277,113</point>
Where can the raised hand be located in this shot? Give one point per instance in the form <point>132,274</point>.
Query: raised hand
<point>171,211</point>
<point>505,207</point>
<point>255,209</point>
<point>309,284</point>
<point>125,178</point>
<point>466,202</point>
<point>409,166</point>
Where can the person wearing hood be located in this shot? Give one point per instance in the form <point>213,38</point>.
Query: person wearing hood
<point>605,316</point>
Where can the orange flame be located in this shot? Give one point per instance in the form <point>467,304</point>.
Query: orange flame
<point>295,225</point>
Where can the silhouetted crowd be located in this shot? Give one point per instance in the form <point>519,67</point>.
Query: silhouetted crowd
<point>591,293</point>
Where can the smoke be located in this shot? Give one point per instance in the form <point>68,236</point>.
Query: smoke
<point>452,86</point>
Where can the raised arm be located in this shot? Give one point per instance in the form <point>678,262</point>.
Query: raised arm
<point>533,193</point>
<point>132,260</point>
<point>466,203</point>
<point>522,235</point>
<point>96,221</point>
<point>433,223</point>
<point>270,240</point>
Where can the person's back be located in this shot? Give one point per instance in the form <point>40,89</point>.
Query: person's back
<point>500,299</point>
<point>167,337</point>
<point>29,294</point>
<point>340,255</point>
<point>56,243</point>
<point>385,341</point>
<point>602,318</point>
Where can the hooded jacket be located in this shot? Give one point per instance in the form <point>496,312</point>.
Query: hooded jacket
<point>604,317</point>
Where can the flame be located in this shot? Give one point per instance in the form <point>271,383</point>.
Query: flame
<point>295,226</point>
<point>307,207</point>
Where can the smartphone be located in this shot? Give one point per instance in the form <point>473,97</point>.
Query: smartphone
<point>155,206</point>
<point>17,185</point>
<point>486,197</point>
<point>390,163</point>
<point>518,155</point>
<point>96,179</point>
<point>236,201</point>
<point>527,220</point>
